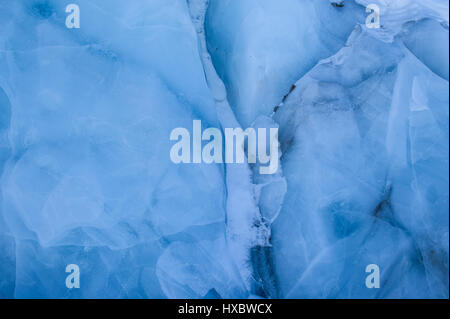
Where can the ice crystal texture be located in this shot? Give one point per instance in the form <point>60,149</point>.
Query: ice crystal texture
<point>86,177</point>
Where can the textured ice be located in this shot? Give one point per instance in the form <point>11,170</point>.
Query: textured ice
<point>85,170</point>
<point>87,114</point>
<point>270,44</point>
<point>365,189</point>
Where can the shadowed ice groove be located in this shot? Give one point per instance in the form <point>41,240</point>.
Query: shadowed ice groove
<point>7,242</point>
<point>248,232</point>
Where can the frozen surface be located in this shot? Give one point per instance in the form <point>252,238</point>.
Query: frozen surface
<point>86,177</point>
<point>86,114</point>
<point>365,188</point>
<point>260,47</point>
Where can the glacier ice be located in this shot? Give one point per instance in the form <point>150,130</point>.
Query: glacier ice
<point>89,179</point>
<point>86,175</point>
<point>270,44</point>
<point>365,181</point>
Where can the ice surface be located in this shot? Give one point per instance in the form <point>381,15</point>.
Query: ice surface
<point>369,179</point>
<point>399,13</point>
<point>89,179</point>
<point>85,170</point>
<point>260,48</point>
<point>428,40</point>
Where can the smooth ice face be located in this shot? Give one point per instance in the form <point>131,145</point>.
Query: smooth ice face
<point>86,176</point>
<point>260,48</point>
<point>428,41</point>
